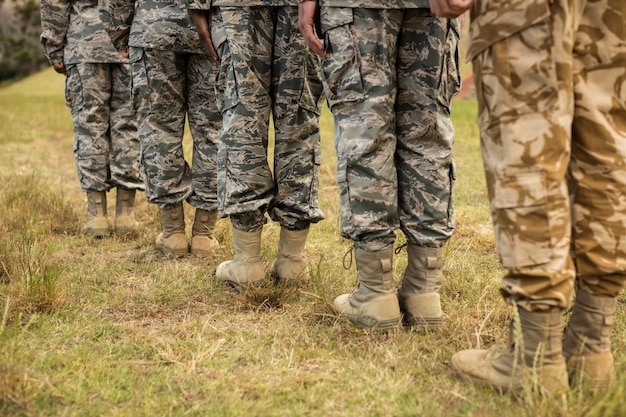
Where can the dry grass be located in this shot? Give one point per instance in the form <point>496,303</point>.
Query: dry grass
<point>109,327</point>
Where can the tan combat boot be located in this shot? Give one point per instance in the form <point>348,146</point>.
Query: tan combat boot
<point>373,304</point>
<point>532,359</point>
<point>587,341</point>
<point>419,292</point>
<point>203,242</point>
<point>246,267</point>
<point>97,224</point>
<point>125,211</point>
<point>291,262</point>
<point>172,240</point>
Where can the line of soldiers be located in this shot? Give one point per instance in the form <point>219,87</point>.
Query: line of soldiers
<point>388,72</point>
<point>228,68</point>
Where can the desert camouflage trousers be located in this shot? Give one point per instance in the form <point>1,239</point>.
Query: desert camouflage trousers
<point>167,87</point>
<point>106,148</point>
<point>266,69</point>
<point>551,86</point>
<point>390,76</point>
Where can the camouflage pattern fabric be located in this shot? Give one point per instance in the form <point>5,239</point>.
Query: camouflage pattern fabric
<point>394,136</point>
<point>97,91</point>
<point>367,4</point>
<point>552,115</point>
<point>106,147</point>
<point>72,33</point>
<point>377,4</point>
<point>164,25</point>
<point>266,67</point>
<point>167,86</point>
<point>251,3</point>
<point>172,78</point>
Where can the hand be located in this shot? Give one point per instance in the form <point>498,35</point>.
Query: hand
<point>309,23</point>
<point>449,8</point>
<point>201,20</point>
<point>124,53</point>
<point>59,67</point>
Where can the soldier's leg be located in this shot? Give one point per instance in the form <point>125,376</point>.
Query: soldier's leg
<point>126,171</point>
<point>424,157</point>
<point>245,183</point>
<point>526,148</point>
<point>205,123</point>
<point>361,95</point>
<point>297,97</point>
<point>87,92</point>
<point>159,96</point>
<point>597,166</point>
<point>125,158</point>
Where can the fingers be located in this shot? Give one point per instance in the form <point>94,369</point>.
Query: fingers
<point>59,67</point>
<point>201,21</point>
<point>449,8</point>
<point>308,21</point>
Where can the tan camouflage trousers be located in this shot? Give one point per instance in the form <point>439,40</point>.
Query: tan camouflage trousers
<point>551,87</point>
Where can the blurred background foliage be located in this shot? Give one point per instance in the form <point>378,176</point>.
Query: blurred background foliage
<point>20,51</point>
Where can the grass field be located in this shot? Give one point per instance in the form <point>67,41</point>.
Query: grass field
<point>110,327</point>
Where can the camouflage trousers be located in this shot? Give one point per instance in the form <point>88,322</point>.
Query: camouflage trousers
<point>106,148</point>
<point>167,87</point>
<point>266,69</point>
<point>551,89</point>
<point>390,76</point>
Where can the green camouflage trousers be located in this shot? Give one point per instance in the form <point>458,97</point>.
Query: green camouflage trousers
<point>106,148</point>
<point>551,87</point>
<point>266,69</point>
<point>390,76</point>
<point>167,86</point>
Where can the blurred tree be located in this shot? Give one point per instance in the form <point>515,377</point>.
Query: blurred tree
<point>20,51</point>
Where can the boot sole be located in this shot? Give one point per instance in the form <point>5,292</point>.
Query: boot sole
<point>97,233</point>
<point>371,323</point>
<point>177,253</point>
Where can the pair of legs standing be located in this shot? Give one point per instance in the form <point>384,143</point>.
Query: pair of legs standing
<point>395,154</point>
<point>169,86</point>
<point>266,71</point>
<point>106,147</point>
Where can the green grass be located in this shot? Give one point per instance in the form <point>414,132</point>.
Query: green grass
<point>110,327</point>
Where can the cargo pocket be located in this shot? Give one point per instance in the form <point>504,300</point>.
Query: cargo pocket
<point>342,60</point>
<point>347,224</point>
<point>74,98</point>
<point>314,193</point>
<point>312,93</point>
<point>512,51</point>
<point>451,73</point>
<point>139,86</point>
<point>523,235</point>
<point>226,80</point>
<point>452,174</point>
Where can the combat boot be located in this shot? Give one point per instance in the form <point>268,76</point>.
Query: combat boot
<point>587,341</point>
<point>172,240</point>
<point>97,224</point>
<point>246,267</point>
<point>203,241</point>
<point>291,262</point>
<point>532,359</point>
<point>418,294</point>
<point>125,211</point>
<point>373,304</point>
